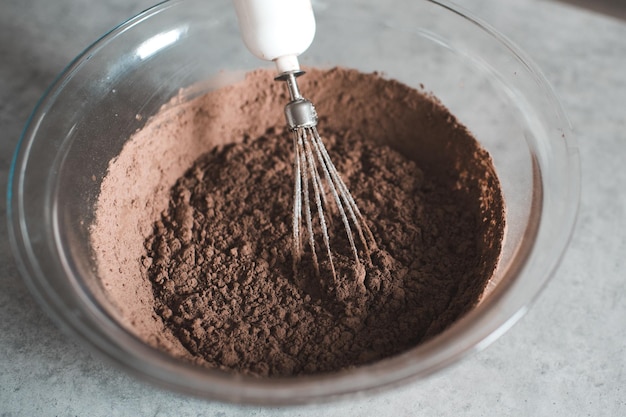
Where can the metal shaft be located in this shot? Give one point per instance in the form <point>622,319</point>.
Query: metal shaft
<point>299,112</point>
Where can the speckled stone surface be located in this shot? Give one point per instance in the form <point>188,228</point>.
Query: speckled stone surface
<point>566,357</point>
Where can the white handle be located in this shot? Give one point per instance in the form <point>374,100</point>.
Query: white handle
<point>276,30</point>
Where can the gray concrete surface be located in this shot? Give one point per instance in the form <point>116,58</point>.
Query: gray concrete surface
<point>566,357</point>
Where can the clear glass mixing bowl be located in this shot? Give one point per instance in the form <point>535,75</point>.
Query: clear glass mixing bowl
<point>90,111</point>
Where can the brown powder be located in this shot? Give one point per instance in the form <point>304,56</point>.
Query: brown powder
<point>217,266</point>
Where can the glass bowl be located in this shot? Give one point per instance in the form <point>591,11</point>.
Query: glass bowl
<point>91,110</point>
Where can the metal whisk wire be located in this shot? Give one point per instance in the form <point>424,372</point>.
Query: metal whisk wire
<point>311,157</point>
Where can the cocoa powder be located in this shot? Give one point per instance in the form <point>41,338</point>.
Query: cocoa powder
<point>218,258</point>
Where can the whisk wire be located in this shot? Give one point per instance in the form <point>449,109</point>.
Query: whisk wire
<point>355,214</point>
<point>311,157</point>
<point>307,201</point>
<point>318,191</point>
<point>297,206</point>
<point>327,168</point>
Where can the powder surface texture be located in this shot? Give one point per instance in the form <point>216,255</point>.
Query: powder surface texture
<point>215,268</point>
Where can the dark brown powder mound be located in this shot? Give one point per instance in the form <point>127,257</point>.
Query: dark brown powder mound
<point>221,267</point>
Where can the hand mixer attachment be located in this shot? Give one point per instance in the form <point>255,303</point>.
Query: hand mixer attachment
<point>311,157</point>
<point>279,31</point>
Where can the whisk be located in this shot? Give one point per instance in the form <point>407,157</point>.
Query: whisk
<point>279,31</point>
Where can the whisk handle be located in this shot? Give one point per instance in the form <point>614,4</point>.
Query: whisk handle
<point>276,30</point>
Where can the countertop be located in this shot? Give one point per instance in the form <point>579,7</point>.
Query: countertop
<point>566,357</point>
